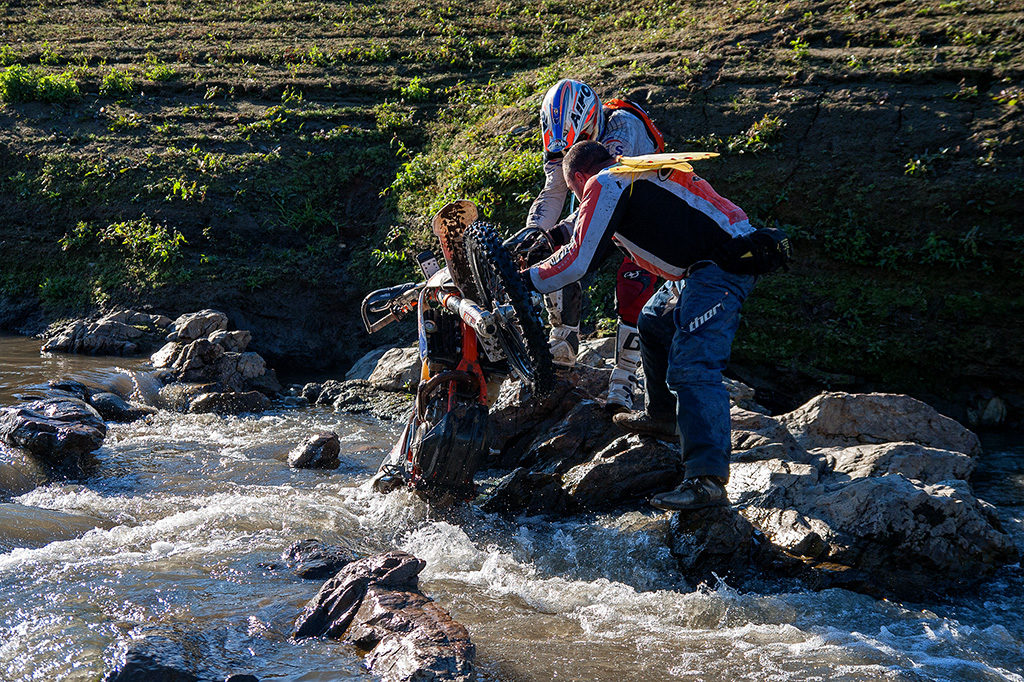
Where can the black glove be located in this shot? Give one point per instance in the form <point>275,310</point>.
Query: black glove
<point>529,246</point>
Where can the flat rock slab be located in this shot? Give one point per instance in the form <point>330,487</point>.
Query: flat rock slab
<point>845,419</point>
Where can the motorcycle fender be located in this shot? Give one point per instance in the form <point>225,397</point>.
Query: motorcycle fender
<point>451,452</point>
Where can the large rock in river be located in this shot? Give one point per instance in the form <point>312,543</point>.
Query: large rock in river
<point>376,604</point>
<point>852,419</point>
<point>199,325</point>
<point>318,451</point>
<point>53,429</point>
<point>123,332</point>
<point>202,352</point>
<point>867,491</point>
<point>893,518</point>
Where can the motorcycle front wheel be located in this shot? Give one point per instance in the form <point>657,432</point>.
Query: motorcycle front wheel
<point>505,294</point>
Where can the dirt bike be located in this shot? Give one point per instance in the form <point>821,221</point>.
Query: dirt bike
<point>476,323</point>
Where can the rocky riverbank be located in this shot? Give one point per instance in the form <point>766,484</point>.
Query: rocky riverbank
<point>869,492</point>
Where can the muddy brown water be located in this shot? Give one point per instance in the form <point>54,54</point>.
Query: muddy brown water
<point>180,521</point>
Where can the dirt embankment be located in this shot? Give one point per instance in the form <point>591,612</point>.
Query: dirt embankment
<point>277,161</point>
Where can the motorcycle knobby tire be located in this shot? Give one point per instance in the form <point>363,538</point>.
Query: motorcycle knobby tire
<point>520,331</point>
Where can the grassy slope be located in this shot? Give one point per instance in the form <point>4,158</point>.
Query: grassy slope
<point>885,135</point>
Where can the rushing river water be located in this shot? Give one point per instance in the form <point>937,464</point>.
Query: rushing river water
<point>179,526</point>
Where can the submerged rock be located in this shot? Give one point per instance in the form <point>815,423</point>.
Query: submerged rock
<point>319,451</point>
<point>376,604</point>
<point>22,526</point>
<point>156,658</point>
<point>19,472</point>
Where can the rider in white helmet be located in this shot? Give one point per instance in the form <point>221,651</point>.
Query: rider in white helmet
<point>571,112</point>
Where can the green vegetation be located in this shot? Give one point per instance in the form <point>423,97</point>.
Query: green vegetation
<point>21,84</point>
<point>117,83</point>
<point>305,146</point>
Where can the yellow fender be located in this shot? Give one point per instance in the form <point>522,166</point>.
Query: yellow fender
<point>675,160</point>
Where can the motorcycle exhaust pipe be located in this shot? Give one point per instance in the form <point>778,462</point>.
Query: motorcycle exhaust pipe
<point>482,321</point>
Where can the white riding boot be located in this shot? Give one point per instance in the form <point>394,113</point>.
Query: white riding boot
<point>565,344</point>
<point>622,382</point>
<point>564,339</point>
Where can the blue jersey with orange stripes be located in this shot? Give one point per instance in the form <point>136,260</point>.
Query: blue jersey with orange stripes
<point>667,220</point>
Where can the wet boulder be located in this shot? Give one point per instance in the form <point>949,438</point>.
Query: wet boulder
<point>582,462</point>
<point>114,408</point>
<point>178,396</point>
<point>712,543</point>
<point>528,492</point>
<point>628,467</point>
<point>518,419</point>
<point>229,402</point>
<point>318,451</point>
<point>123,332</point>
<point>585,429</point>
<point>376,604</point>
<point>315,560</point>
<point>53,429</point>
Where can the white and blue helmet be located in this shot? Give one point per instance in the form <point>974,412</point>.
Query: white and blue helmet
<point>570,113</point>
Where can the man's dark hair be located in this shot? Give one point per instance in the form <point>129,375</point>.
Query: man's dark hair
<point>586,157</point>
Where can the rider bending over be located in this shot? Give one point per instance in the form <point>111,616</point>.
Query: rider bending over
<point>674,224</point>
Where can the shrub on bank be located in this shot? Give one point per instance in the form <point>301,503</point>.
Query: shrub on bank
<point>21,84</point>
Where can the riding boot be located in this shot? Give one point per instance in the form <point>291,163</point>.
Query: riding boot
<point>565,344</point>
<point>623,382</point>
<point>564,307</point>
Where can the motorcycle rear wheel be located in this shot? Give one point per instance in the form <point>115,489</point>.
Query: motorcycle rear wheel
<point>505,294</point>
